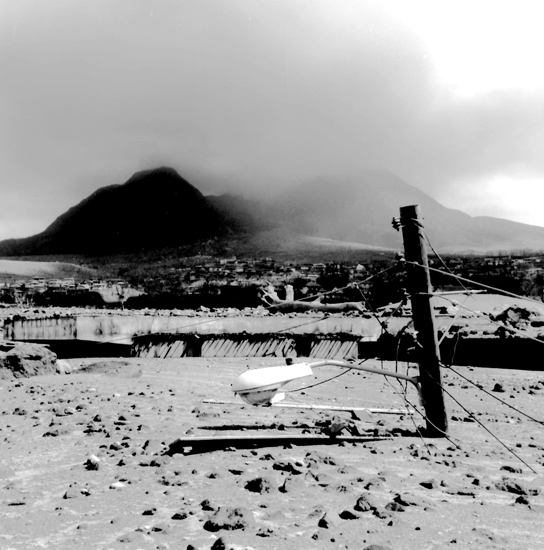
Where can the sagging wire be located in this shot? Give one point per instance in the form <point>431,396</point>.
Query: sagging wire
<point>416,409</point>
<point>460,279</point>
<point>476,283</point>
<point>399,334</point>
<point>403,396</point>
<point>328,379</point>
<point>471,415</point>
<point>374,312</point>
<point>440,258</point>
<point>481,424</point>
<point>494,396</point>
<point>404,393</point>
<point>445,333</point>
<point>397,224</point>
<point>320,383</point>
<point>498,323</point>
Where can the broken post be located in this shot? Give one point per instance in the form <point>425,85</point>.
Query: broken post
<point>428,352</point>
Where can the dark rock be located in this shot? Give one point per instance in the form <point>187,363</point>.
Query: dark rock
<point>162,528</point>
<point>374,482</point>
<point>287,466</point>
<point>512,469</point>
<point>430,484</point>
<point>267,456</point>
<point>382,513</point>
<point>322,478</point>
<point>365,503</point>
<point>160,461</point>
<point>92,463</point>
<point>206,505</point>
<point>219,544</point>
<point>315,458</point>
<point>338,488</point>
<point>407,499</point>
<point>56,432</point>
<point>512,486</point>
<point>71,493</point>
<point>230,519</point>
<point>499,388</point>
<point>327,521</point>
<point>260,485</point>
<point>348,515</point>
<point>461,492</point>
<point>152,446</point>
<point>395,507</point>
<point>334,428</point>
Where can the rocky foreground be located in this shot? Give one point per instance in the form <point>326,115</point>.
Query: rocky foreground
<point>85,463</point>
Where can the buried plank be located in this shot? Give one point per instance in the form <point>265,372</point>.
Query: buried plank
<point>200,444</point>
<point>317,407</point>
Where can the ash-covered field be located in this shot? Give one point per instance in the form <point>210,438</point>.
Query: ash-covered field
<point>83,462</point>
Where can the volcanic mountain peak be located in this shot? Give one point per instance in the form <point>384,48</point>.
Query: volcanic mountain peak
<point>153,209</point>
<point>157,208</point>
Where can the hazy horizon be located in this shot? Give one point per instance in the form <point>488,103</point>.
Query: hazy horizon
<point>257,95</point>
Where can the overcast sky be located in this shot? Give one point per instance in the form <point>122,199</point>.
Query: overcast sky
<point>448,95</point>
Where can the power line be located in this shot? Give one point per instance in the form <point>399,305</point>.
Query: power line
<point>482,285</point>
<point>440,258</point>
<point>424,417</point>
<point>494,396</point>
<point>322,381</point>
<point>499,323</point>
<point>471,415</point>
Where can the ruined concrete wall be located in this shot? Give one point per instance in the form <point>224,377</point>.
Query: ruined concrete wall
<point>121,328</point>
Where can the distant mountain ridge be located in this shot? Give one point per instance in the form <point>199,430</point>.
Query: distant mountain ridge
<point>361,210</point>
<point>157,208</point>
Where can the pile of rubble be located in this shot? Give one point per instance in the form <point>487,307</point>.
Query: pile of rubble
<point>21,360</point>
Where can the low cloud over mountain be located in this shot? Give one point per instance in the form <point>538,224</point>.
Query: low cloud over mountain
<point>158,208</point>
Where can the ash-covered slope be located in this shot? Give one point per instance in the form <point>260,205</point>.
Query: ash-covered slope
<point>361,209</point>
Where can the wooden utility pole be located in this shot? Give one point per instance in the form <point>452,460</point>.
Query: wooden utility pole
<point>428,352</point>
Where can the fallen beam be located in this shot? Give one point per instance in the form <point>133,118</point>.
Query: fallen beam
<point>201,444</point>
